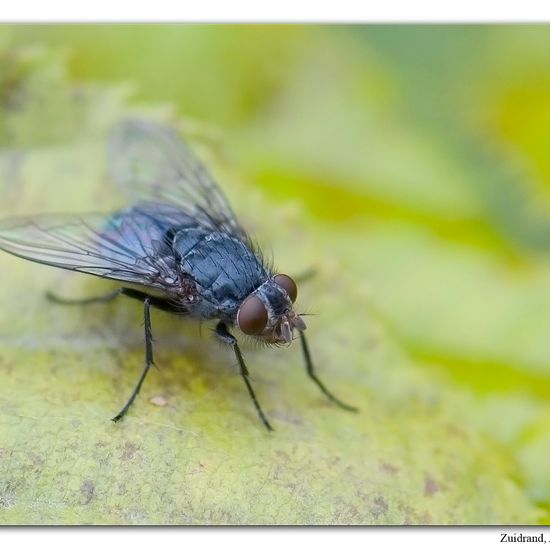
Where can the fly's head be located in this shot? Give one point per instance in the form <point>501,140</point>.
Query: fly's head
<point>268,313</point>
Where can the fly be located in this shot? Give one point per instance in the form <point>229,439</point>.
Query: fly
<point>178,247</point>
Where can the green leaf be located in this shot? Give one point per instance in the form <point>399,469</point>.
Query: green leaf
<point>424,447</point>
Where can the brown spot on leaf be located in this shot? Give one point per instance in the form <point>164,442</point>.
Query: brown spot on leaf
<point>389,468</point>
<point>129,451</point>
<point>379,507</point>
<point>431,486</point>
<point>35,458</point>
<point>87,489</point>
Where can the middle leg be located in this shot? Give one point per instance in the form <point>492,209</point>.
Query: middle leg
<point>225,336</point>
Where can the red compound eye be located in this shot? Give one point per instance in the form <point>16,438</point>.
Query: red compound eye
<point>288,284</point>
<point>252,316</point>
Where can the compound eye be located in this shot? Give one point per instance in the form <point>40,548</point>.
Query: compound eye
<point>252,316</point>
<point>288,284</point>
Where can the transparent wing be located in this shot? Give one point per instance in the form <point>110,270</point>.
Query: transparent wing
<point>149,162</point>
<point>106,246</point>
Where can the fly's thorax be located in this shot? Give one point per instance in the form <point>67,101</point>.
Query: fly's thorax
<point>268,314</point>
<point>224,268</point>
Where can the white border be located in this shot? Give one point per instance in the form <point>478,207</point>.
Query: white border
<point>280,11</point>
<point>458,538</point>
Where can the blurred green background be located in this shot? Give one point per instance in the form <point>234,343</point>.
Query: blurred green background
<point>409,166</point>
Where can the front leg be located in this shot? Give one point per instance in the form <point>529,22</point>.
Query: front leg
<point>311,373</point>
<point>225,336</point>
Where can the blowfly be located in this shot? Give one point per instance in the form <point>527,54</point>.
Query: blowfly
<point>177,247</point>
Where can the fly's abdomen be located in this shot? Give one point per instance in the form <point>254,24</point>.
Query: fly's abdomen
<point>141,237</point>
<point>143,229</point>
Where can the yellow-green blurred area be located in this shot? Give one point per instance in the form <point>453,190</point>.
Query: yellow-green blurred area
<point>407,166</point>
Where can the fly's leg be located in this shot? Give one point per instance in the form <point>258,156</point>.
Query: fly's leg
<point>313,376</point>
<point>225,336</point>
<point>148,358</point>
<point>103,299</point>
<point>148,301</point>
<point>158,303</point>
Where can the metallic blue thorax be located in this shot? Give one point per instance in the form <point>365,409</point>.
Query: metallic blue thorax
<point>223,266</point>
